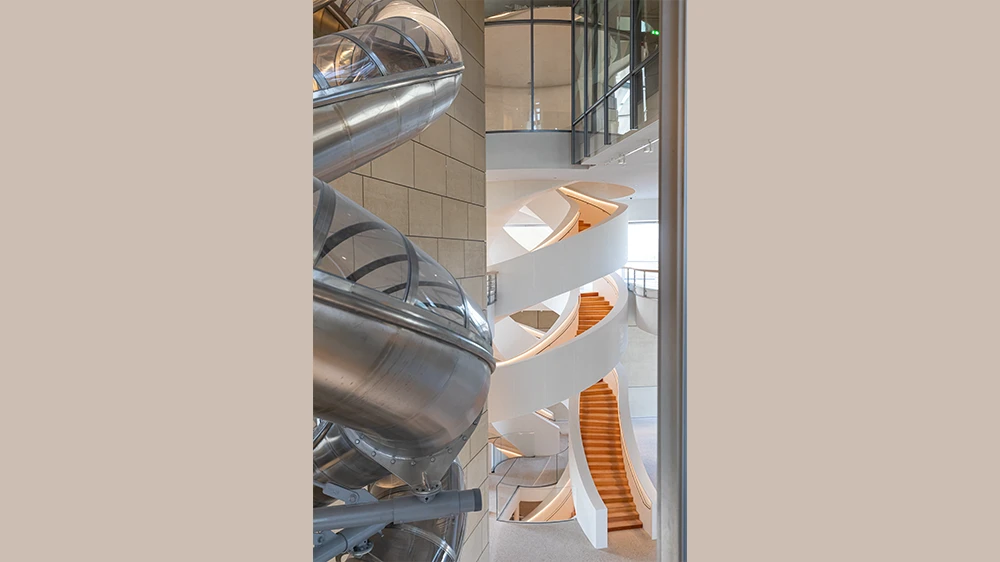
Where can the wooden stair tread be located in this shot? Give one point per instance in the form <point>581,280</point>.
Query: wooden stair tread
<point>600,429</point>
<point>624,526</point>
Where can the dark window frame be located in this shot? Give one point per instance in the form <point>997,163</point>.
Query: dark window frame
<point>635,68</point>
<point>530,22</point>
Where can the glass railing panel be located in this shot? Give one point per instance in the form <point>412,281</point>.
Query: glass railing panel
<point>647,29</point>
<point>648,93</point>
<point>579,142</point>
<point>595,129</point>
<point>596,53</point>
<point>619,40</point>
<point>620,111</point>
<point>527,487</point>
<point>579,62</point>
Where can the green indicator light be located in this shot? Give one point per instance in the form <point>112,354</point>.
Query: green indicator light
<point>655,32</point>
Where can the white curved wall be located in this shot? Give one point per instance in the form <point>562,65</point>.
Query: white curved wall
<point>591,513</point>
<point>579,259</point>
<point>524,385</point>
<point>645,314</point>
<point>551,207</point>
<point>532,434</point>
<point>641,486</point>
<point>510,339</point>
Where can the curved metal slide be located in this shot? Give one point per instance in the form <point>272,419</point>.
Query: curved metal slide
<point>401,356</point>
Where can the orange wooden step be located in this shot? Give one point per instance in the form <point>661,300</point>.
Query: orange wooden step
<point>609,422</point>
<point>616,499</point>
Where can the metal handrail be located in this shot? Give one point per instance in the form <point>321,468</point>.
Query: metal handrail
<point>491,287</point>
<point>640,281</point>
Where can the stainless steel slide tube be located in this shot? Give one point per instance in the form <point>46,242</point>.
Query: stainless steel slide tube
<point>405,69</point>
<point>402,356</point>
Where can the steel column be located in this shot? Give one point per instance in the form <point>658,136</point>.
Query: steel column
<point>672,306</point>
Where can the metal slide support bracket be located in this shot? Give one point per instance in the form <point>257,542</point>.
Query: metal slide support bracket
<point>346,495</point>
<point>422,474</point>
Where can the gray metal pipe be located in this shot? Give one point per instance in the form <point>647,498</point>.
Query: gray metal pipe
<point>344,541</point>
<point>397,510</point>
<point>432,540</point>
<point>334,546</point>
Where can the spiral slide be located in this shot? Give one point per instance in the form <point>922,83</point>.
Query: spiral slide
<point>401,357</point>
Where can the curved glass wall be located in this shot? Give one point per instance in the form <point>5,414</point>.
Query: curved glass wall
<point>614,68</point>
<point>528,65</point>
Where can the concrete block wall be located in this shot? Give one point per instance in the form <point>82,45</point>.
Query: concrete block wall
<point>433,189</point>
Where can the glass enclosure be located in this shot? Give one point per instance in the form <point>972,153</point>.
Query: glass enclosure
<point>361,248</point>
<point>615,76</point>
<point>528,63</point>
<point>393,45</point>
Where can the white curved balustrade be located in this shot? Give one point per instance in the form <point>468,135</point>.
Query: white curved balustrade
<point>574,261</point>
<point>539,369</point>
<point>591,512</point>
<point>528,383</point>
<point>641,485</point>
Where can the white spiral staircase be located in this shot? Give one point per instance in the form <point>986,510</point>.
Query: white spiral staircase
<point>570,273</point>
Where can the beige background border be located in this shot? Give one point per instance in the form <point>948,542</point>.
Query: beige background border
<point>843,282</point>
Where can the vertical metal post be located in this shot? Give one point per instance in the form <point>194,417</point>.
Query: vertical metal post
<point>572,80</point>
<point>672,305</point>
<point>531,42</point>
<point>633,61</point>
<point>607,72</point>
<point>586,78</point>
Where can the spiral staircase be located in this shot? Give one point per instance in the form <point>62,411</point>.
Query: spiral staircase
<point>570,274</point>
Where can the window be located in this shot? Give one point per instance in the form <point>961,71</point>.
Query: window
<point>615,80</point>
<point>644,244</point>
<point>529,57</point>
